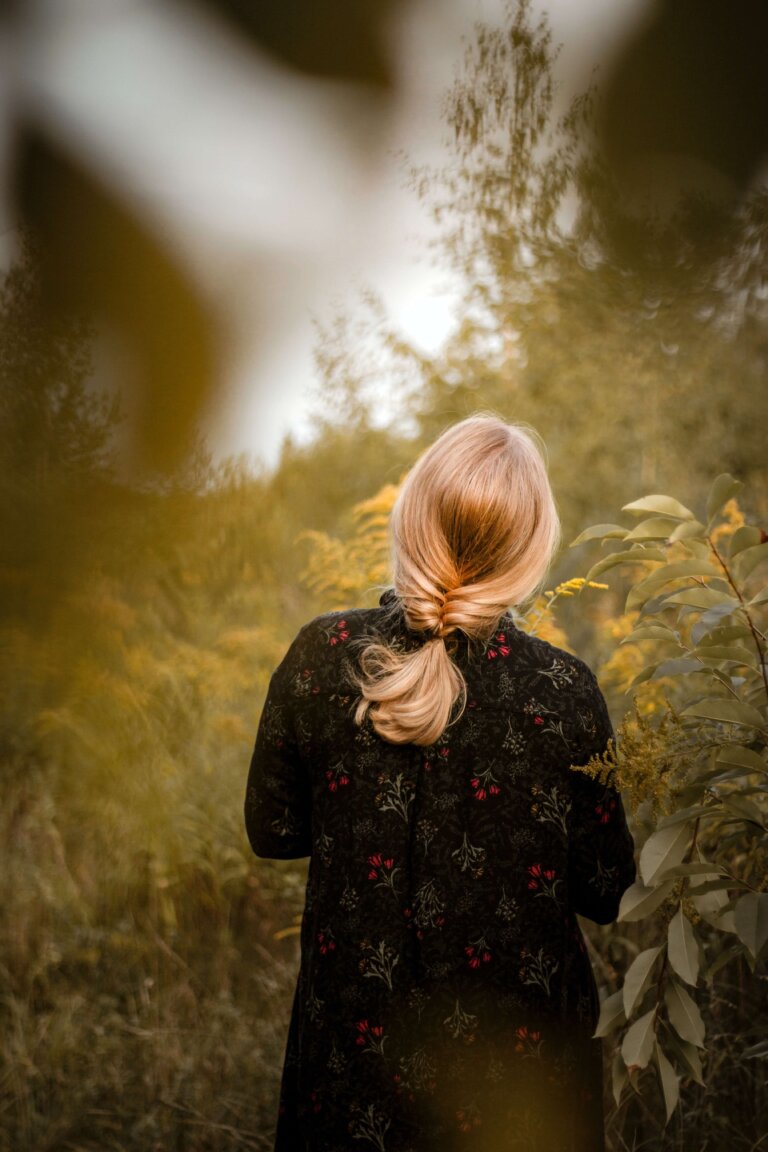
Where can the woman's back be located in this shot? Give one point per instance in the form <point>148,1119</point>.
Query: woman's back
<point>445,997</point>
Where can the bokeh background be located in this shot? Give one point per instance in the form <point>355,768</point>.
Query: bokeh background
<point>254,258</point>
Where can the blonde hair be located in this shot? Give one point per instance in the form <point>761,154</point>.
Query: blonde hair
<point>473,531</point>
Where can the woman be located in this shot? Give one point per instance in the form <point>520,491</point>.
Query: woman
<point>419,753</point>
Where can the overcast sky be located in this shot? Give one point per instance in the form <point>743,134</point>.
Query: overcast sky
<point>282,208</point>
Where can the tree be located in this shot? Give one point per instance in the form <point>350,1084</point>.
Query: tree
<point>56,432</point>
<point>638,362</point>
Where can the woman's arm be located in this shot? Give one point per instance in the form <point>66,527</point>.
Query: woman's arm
<point>601,861</point>
<point>278,793</point>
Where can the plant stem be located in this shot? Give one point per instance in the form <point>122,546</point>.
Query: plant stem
<point>745,610</point>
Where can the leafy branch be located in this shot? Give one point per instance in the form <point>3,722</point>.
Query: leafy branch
<point>695,765</point>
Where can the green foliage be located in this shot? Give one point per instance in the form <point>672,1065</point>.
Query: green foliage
<point>694,770</point>
<point>345,572</point>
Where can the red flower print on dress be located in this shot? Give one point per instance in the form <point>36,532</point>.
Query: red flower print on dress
<point>337,776</point>
<point>485,784</point>
<point>325,941</point>
<point>497,646</point>
<point>542,881</point>
<point>527,1042</point>
<point>383,870</point>
<point>605,810</point>
<point>370,1037</point>
<point>338,633</point>
<point>478,952</point>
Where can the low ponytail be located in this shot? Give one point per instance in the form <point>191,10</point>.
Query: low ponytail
<point>474,529</point>
<point>411,694</point>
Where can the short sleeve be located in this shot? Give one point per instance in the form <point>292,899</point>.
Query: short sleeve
<point>278,792</point>
<point>601,859</point>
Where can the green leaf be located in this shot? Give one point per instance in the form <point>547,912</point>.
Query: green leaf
<point>734,653</point>
<point>757,1051</point>
<point>690,813</point>
<point>619,1076</point>
<point>751,916</point>
<point>683,947</point>
<point>723,884</point>
<point>711,906</point>
<point>742,757</point>
<point>629,556</point>
<point>611,1015</point>
<point>662,849</point>
<point>688,1055</point>
<point>637,1045</point>
<point>636,979</point>
<point>641,677</point>
<point>665,650</point>
<point>725,922</point>
<point>697,548</point>
<point>670,1083</point>
<point>684,1014</point>
<point>652,632</point>
<point>760,598</point>
<point>639,901</point>
<point>724,489</point>
<point>711,621</point>
<point>720,961</point>
<point>697,869</point>
<point>655,528</point>
<point>745,537</point>
<point>725,712</point>
<point>693,533</point>
<point>600,531</point>
<point>679,666</point>
<point>746,561</point>
<point>743,807</point>
<point>724,634</point>
<point>679,571</point>
<point>702,598</point>
<point>664,505</point>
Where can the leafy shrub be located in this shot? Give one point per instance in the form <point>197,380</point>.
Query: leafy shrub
<point>694,769</point>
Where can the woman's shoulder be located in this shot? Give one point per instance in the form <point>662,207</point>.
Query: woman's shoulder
<point>334,631</point>
<point>536,652</point>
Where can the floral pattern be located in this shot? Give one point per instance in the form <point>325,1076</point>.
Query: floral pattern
<point>445,998</point>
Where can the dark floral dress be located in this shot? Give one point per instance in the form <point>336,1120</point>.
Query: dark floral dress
<point>445,998</point>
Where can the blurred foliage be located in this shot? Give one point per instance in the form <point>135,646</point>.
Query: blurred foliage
<point>105,250</point>
<point>347,571</point>
<point>712,149</point>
